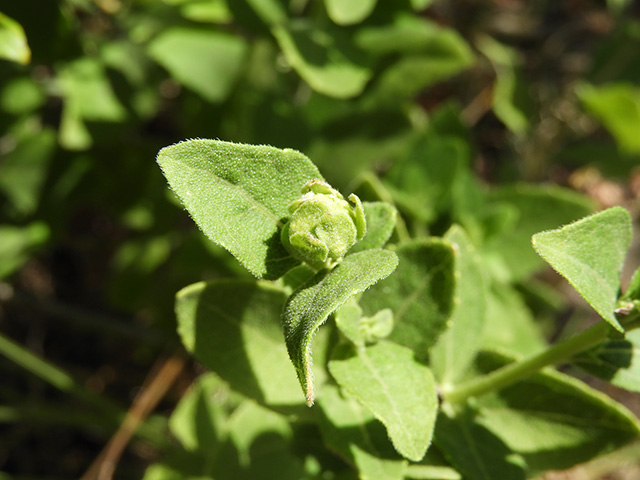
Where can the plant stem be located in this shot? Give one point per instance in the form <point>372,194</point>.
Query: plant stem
<point>519,370</point>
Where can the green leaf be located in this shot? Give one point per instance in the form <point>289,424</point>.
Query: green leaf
<point>457,346</point>
<point>18,244</point>
<point>398,390</point>
<point>633,290</point>
<point>352,431</point>
<point>617,107</point>
<point>617,361</point>
<point>325,60</point>
<point>238,195</point>
<point>552,420</point>
<point>310,305</point>
<point>531,209</point>
<point>233,327</point>
<point>590,253</point>
<point>13,42</point>
<point>272,12</point>
<point>475,451</point>
<point>511,98</point>
<point>351,12</point>
<point>207,61</point>
<point>381,220</point>
<point>420,293</point>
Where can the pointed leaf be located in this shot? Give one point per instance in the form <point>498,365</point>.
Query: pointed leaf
<point>238,195</point>
<point>351,430</point>
<point>381,220</point>
<point>398,390</point>
<point>458,345</point>
<point>633,290</point>
<point>475,451</point>
<point>552,420</point>
<point>590,253</point>
<point>420,293</point>
<point>617,361</point>
<point>233,327</point>
<point>310,305</point>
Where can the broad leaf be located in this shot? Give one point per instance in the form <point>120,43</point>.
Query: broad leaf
<point>475,451</point>
<point>530,209</point>
<point>617,361</point>
<point>233,327</point>
<point>457,346</point>
<point>381,220</point>
<point>207,61</point>
<point>590,253</point>
<point>553,420</point>
<point>420,293</point>
<point>617,107</point>
<point>398,390</point>
<point>352,431</point>
<point>238,195</point>
<point>348,13</point>
<point>13,42</point>
<point>310,305</point>
<point>326,61</point>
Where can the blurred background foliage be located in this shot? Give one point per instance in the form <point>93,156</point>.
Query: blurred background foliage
<point>452,104</point>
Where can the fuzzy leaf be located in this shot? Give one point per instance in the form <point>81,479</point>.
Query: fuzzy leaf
<point>233,327</point>
<point>238,195</point>
<point>617,361</point>
<point>398,390</point>
<point>458,345</point>
<point>351,430</point>
<point>552,420</point>
<point>310,305</point>
<point>420,293</point>
<point>381,220</point>
<point>590,253</point>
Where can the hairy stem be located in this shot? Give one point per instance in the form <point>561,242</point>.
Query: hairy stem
<point>519,370</point>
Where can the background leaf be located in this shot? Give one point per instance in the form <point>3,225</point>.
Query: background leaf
<point>381,220</point>
<point>398,390</point>
<point>13,42</point>
<point>209,62</point>
<point>238,195</point>
<point>310,306</point>
<point>420,293</point>
<point>616,361</point>
<point>233,327</point>
<point>553,420</point>
<point>347,13</point>
<point>590,253</point>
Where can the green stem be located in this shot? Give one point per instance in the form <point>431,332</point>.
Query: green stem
<point>519,370</point>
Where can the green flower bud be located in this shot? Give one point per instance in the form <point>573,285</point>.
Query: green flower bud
<point>323,226</point>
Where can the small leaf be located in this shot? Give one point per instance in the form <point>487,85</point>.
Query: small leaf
<point>351,12</point>
<point>207,61</point>
<point>233,327</point>
<point>18,244</point>
<point>326,61</point>
<point>381,220</point>
<point>633,290</point>
<point>457,346</point>
<point>398,390</point>
<point>552,420</point>
<point>420,293</point>
<point>13,42</point>
<point>352,431</point>
<point>590,253</point>
<point>238,195</point>
<point>310,305</point>
<point>616,361</point>
<point>475,451</point>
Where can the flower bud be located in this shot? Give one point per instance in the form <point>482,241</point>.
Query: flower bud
<point>323,226</point>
